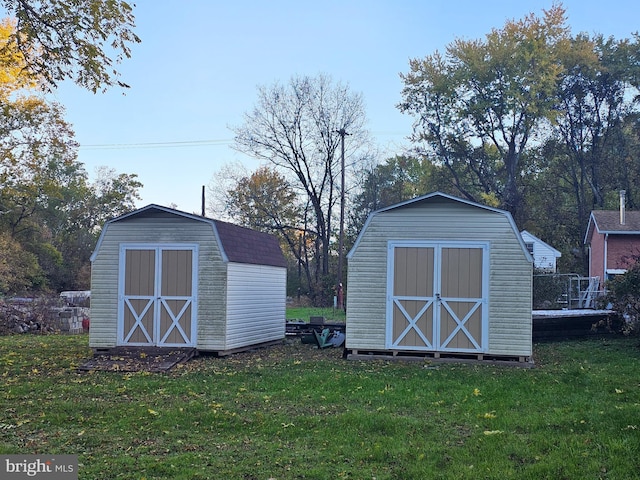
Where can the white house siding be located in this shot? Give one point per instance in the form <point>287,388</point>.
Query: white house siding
<point>157,230</point>
<point>256,303</point>
<point>544,255</point>
<point>509,280</point>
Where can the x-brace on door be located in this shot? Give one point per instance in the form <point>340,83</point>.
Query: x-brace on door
<point>437,296</point>
<point>157,300</point>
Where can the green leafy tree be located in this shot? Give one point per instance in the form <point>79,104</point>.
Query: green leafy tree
<point>55,216</point>
<point>19,269</point>
<point>113,194</point>
<point>79,40</point>
<point>37,149</point>
<point>481,105</point>
<point>550,206</point>
<point>595,95</point>
<point>47,204</point>
<point>76,214</point>
<point>49,213</point>
<point>592,152</point>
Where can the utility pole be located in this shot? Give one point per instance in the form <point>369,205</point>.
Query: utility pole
<point>203,209</point>
<point>339,292</point>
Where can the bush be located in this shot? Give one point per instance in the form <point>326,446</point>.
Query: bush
<point>623,293</point>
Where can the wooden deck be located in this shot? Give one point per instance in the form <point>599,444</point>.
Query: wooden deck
<point>559,324</point>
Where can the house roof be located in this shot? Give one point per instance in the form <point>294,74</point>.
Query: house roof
<point>608,222</point>
<point>238,244</point>
<point>435,198</point>
<point>555,252</point>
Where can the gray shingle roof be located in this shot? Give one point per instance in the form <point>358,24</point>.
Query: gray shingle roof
<point>244,245</point>
<point>609,221</point>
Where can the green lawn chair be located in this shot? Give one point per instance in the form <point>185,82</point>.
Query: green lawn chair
<point>323,338</point>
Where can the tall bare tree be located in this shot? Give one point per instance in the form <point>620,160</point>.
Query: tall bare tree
<point>295,127</point>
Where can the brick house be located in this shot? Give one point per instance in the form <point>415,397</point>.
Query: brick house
<point>613,240</point>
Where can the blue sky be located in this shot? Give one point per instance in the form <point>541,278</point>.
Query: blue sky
<point>200,62</point>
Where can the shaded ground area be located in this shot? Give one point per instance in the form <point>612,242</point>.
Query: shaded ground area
<point>291,349</point>
<point>145,359</point>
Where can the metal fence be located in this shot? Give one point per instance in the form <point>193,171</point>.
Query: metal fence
<point>565,291</point>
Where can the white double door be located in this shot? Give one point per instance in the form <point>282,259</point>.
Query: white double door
<point>437,296</point>
<point>157,295</point>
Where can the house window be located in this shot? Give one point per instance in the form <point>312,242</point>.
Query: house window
<point>614,272</point>
<point>530,247</point>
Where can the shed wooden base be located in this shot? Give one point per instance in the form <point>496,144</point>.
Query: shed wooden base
<point>224,353</point>
<point>439,357</point>
<point>136,359</point>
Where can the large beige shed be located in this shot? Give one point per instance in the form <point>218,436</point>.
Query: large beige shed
<point>165,278</point>
<point>439,276</point>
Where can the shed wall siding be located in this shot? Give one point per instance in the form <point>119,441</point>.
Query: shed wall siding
<point>256,301</point>
<point>104,275</point>
<point>510,279</point>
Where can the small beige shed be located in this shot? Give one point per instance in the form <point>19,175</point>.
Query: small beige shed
<point>165,278</point>
<point>438,275</point>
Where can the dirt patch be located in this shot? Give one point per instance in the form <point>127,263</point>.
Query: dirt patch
<point>144,359</point>
<point>290,349</point>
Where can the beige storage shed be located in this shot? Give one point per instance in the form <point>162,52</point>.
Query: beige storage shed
<point>439,276</point>
<point>165,278</point>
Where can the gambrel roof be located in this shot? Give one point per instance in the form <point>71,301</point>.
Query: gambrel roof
<point>439,197</point>
<point>237,244</point>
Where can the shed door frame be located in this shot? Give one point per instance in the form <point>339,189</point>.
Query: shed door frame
<point>435,306</point>
<point>159,307</point>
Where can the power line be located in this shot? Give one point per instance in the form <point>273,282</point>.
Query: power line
<point>188,143</point>
<point>175,144</point>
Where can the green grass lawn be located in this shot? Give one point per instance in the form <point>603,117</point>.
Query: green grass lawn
<point>293,411</point>
<point>305,313</point>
